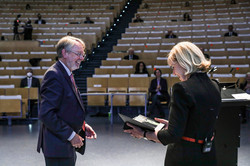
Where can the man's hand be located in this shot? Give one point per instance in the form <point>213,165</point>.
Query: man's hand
<point>77,141</point>
<point>90,133</point>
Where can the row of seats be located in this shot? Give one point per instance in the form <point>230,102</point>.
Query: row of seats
<point>194,3</point>
<point>164,48</point>
<point>23,72</point>
<point>202,25</point>
<point>124,85</point>
<point>13,101</point>
<point>147,38</point>
<point>16,82</point>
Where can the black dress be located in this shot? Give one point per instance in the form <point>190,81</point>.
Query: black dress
<point>194,107</point>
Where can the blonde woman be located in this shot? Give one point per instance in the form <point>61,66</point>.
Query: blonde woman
<point>194,106</point>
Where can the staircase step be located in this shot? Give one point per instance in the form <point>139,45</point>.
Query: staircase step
<point>106,46</point>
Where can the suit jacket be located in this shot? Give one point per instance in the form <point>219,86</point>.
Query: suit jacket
<point>88,22</point>
<point>43,21</point>
<point>170,36</point>
<point>136,20</point>
<point>164,88</point>
<point>61,113</point>
<point>194,106</point>
<point>233,34</point>
<point>35,82</point>
<point>135,57</point>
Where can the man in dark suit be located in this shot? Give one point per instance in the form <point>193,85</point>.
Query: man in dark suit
<point>17,21</point>
<point>30,81</point>
<point>131,55</point>
<point>27,31</point>
<point>159,92</point>
<point>170,34</point>
<point>137,19</point>
<point>62,112</point>
<point>40,20</point>
<point>88,21</point>
<point>230,31</point>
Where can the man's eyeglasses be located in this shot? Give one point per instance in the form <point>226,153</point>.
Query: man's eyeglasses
<point>79,54</point>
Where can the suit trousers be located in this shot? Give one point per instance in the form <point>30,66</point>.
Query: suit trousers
<point>50,161</point>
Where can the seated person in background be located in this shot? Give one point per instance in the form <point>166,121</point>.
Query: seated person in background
<point>141,68</point>
<point>70,7</point>
<point>246,87</point>
<point>145,6</point>
<point>138,18</point>
<point>230,31</point>
<point>69,34</point>
<point>159,92</point>
<point>30,81</point>
<point>88,21</point>
<point>186,17</point>
<point>170,34</point>
<point>27,31</point>
<point>206,55</point>
<point>131,55</point>
<point>187,4</point>
<point>28,7</point>
<point>233,2</point>
<point>40,20</point>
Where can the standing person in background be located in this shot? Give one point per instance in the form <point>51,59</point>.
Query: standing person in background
<point>159,92</point>
<point>39,19</point>
<point>131,55</point>
<point>17,21</point>
<point>141,68</point>
<point>62,112</point>
<point>194,107</point>
<point>30,80</point>
<point>27,31</point>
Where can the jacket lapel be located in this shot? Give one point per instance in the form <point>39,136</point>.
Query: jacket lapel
<point>77,94</point>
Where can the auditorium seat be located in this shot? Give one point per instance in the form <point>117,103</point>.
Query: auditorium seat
<point>98,100</point>
<point>137,100</point>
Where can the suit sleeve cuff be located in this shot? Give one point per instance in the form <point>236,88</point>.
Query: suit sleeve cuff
<point>161,137</point>
<point>72,136</point>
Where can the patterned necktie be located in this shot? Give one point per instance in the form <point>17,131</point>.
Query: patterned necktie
<point>73,81</point>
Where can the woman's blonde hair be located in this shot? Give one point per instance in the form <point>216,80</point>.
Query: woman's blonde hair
<point>189,56</point>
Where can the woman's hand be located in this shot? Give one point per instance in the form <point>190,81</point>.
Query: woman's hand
<point>135,132</point>
<point>164,121</point>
